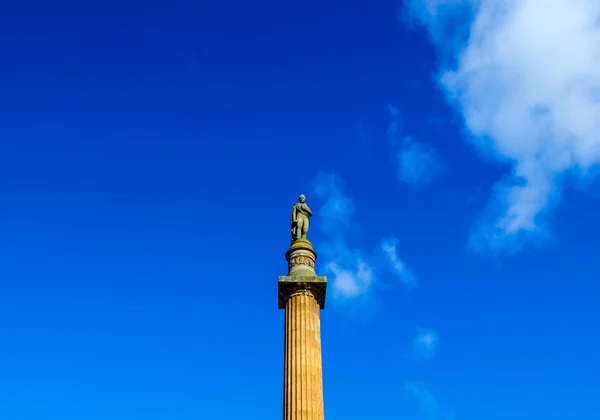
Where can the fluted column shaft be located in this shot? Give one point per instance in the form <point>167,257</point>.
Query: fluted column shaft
<point>303,376</point>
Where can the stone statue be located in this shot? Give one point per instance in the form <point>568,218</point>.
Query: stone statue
<point>300,219</point>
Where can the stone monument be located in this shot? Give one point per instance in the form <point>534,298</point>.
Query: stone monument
<point>301,215</point>
<point>302,296</point>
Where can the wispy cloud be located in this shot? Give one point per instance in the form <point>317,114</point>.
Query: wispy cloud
<point>525,75</point>
<point>425,343</point>
<point>397,266</point>
<point>426,400</point>
<point>417,162</point>
<point>353,271</point>
<point>352,274</point>
<point>353,281</point>
<point>337,210</point>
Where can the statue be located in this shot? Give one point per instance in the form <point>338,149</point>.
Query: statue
<point>300,219</point>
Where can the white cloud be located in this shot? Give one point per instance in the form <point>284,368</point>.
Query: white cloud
<point>352,275</point>
<point>418,163</point>
<point>352,282</point>
<point>526,79</point>
<point>425,343</point>
<point>426,400</point>
<point>398,266</point>
<point>353,271</point>
<point>440,17</point>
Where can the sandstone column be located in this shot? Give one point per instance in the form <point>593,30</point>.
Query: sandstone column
<point>302,295</point>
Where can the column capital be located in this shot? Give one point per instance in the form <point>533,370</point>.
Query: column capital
<point>315,285</point>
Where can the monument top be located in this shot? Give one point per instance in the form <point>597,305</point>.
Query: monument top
<point>301,215</point>
<point>301,258</point>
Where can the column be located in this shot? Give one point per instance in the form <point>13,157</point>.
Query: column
<point>302,296</point>
<point>303,399</point>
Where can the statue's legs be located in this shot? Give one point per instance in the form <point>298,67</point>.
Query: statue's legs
<point>305,228</point>
<point>300,228</point>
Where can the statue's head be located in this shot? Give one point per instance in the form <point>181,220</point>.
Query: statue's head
<point>302,198</point>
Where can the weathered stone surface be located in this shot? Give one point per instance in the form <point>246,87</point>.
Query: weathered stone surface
<point>301,215</point>
<point>303,376</point>
<point>287,285</point>
<point>301,258</point>
<point>302,294</point>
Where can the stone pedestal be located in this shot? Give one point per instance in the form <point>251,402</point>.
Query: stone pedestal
<point>302,295</point>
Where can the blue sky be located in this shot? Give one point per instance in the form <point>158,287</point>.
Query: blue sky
<point>150,154</point>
